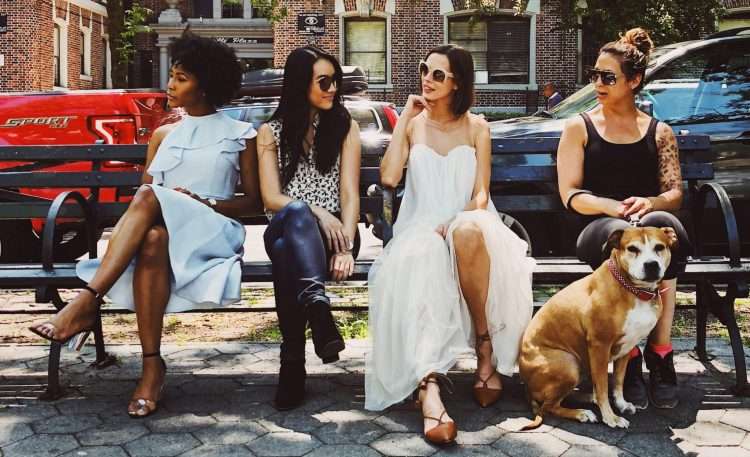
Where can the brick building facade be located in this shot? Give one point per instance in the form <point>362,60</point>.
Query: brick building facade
<point>515,53</point>
<point>54,44</point>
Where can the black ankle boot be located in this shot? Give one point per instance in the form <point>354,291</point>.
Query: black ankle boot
<point>634,388</point>
<point>662,389</point>
<point>326,337</point>
<point>290,392</point>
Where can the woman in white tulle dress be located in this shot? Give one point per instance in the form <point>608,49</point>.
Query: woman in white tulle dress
<point>453,276</point>
<point>177,247</point>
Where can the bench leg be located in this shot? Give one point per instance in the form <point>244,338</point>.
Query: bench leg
<point>702,303</point>
<point>103,359</point>
<point>723,309</point>
<point>54,390</point>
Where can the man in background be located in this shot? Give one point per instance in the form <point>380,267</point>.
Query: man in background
<point>553,96</point>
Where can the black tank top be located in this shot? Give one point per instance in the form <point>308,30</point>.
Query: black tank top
<point>619,171</point>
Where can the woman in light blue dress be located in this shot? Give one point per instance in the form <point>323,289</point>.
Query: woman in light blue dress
<point>177,246</point>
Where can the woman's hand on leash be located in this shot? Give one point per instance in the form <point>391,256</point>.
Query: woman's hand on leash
<point>342,265</point>
<point>639,206</point>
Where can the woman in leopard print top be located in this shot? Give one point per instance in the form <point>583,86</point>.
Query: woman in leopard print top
<point>309,157</point>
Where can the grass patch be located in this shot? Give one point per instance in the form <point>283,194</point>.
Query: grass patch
<point>351,325</point>
<point>172,324</point>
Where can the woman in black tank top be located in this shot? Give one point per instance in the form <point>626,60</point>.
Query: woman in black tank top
<point>616,164</point>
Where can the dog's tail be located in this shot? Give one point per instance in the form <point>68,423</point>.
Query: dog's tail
<point>536,423</point>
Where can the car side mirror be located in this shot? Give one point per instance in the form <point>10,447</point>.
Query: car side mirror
<point>646,106</point>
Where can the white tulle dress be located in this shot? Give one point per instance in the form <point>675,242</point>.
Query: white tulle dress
<point>205,248</point>
<point>419,321</point>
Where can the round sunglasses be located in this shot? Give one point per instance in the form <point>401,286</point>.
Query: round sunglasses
<point>609,78</point>
<point>438,74</point>
<point>325,83</point>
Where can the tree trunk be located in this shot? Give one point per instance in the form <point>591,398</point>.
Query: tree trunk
<point>115,25</point>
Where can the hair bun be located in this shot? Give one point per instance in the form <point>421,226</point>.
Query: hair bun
<point>639,38</point>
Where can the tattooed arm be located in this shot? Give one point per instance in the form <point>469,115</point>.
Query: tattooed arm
<point>670,177</point>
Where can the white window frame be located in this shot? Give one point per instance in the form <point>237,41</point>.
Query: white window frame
<point>342,45</point>
<point>108,59</point>
<point>532,84</point>
<point>86,49</point>
<point>63,25</point>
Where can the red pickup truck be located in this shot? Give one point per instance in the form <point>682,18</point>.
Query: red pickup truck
<point>119,116</point>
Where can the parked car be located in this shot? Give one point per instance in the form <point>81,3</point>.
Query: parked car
<point>697,87</point>
<point>70,117</point>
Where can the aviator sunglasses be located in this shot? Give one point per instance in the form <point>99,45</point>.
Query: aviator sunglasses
<point>325,83</point>
<point>609,78</point>
<point>438,74</point>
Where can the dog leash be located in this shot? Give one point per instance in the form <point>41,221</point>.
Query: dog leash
<point>642,294</point>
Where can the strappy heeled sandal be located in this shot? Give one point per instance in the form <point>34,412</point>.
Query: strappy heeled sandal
<point>444,432</point>
<point>77,339</point>
<point>485,395</point>
<point>142,407</point>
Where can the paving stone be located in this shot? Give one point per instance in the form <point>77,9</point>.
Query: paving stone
<point>531,445</point>
<point>719,451</point>
<point>230,433</point>
<point>283,444</point>
<point>29,413</point>
<point>12,430</point>
<point>710,434</point>
<point>66,424</point>
<point>746,443</point>
<point>650,444</point>
<point>469,451</point>
<point>240,348</point>
<point>515,423</point>
<point>191,354</point>
<point>350,432</point>
<point>739,418</point>
<point>185,422</point>
<point>112,433</point>
<point>596,451</point>
<point>710,415</point>
<point>210,387</point>
<point>202,405</point>
<point>97,451</point>
<point>108,388</point>
<point>486,435</point>
<point>401,421</point>
<point>41,445</point>
<point>297,421</point>
<point>581,434</point>
<point>84,405</point>
<point>348,450</point>
<point>161,444</point>
<point>244,411</point>
<point>398,444</point>
<point>219,451</point>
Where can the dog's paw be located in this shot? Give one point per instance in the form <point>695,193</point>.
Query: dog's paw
<point>625,407</point>
<point>585,415</point>
<point>616,421</point>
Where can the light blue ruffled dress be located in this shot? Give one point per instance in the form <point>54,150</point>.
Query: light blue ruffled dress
<point>205,248</point>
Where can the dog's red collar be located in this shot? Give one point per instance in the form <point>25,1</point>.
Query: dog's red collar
<point>642,294</point>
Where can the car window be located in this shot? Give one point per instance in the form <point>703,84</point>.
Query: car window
<point>708,85</point>
<point>257,115</point>
<point>580,101</point>
<point>365,117</point>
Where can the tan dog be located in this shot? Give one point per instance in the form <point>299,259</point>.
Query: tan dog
<point>594,320</point>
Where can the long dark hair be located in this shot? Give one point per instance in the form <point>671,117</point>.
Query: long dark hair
<point>462,67</point>
<point>294,114</point>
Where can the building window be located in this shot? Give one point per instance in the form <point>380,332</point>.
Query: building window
<point>83,53</point>
<point>56,54</point>
<point>203,8</point>
<point>105,46</point>
<point>231,9</point>
<point>86,53</point>
<point>365,45</point>
<point>499,46</point>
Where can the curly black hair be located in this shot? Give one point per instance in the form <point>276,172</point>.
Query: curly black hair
<point>214,64</point>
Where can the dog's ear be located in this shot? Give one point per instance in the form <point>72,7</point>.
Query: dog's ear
<point>672,240</point>
<point>613,242</point>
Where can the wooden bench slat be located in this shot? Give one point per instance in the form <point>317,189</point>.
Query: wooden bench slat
<point>549,145</point>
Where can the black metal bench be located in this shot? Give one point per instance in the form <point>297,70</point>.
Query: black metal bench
<point>525,163</point>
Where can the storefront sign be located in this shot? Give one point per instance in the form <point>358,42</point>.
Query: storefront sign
<point>311,24</point>
<point>3,23</point>
<point>242,40</point>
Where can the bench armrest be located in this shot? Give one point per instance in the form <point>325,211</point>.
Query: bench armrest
<point>727,211</point>
<point>48,236</point>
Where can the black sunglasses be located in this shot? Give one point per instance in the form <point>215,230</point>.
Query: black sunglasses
<point>609,78</point>
<point>325,83</point>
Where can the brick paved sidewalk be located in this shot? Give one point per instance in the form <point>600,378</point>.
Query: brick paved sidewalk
<point>218,403</point>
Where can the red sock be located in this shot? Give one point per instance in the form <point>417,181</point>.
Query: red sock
<point>661,349</point>
<point>635,352</point>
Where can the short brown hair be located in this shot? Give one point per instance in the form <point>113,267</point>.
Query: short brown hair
<point>632,50</point>
<point>462,67</point>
